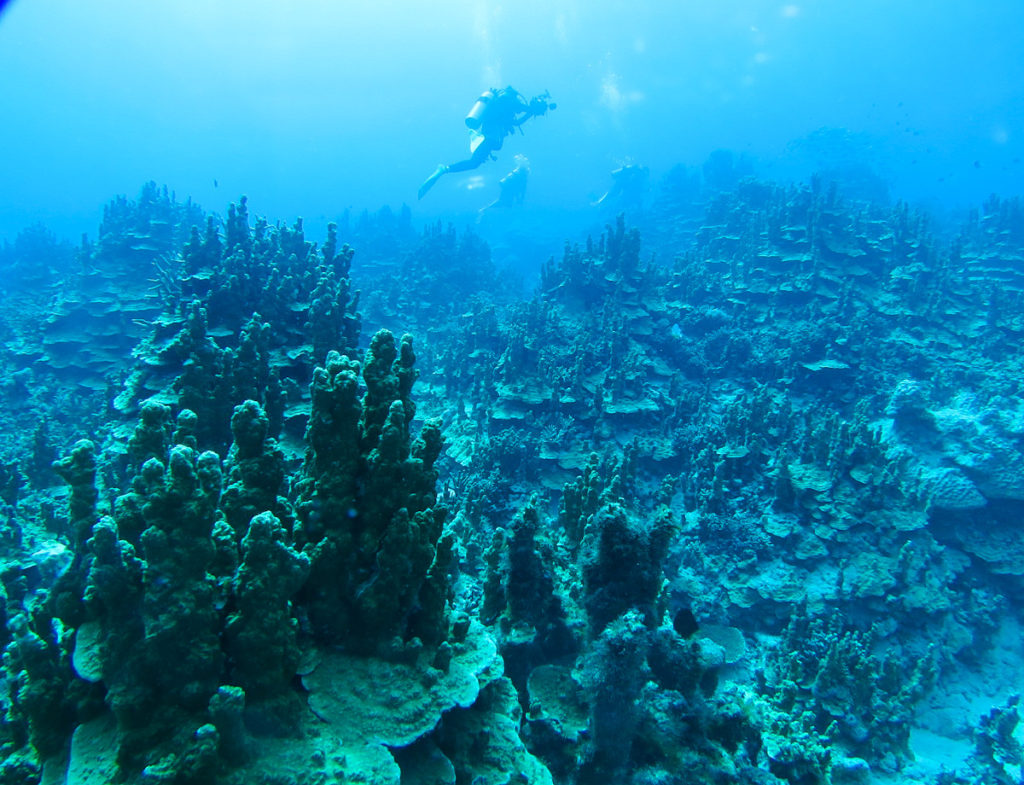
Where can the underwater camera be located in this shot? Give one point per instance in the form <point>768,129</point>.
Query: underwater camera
<point>540,104</point>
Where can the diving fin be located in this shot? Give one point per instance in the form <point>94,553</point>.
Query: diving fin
<point>429,182</point>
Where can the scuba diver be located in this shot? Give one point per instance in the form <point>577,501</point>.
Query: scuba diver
<point>513,185</point>
<point>495,115</point>
<point>629,185</point>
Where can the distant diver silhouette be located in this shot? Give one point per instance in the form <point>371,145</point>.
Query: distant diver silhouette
<point>629,184</point>
<point>513,185</point>
<point>495,115</point>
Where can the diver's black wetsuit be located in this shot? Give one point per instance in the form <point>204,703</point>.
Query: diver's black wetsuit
<point>497,114</point>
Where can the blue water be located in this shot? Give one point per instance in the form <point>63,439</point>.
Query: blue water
<point>314,107</point>
<point>794,353</point>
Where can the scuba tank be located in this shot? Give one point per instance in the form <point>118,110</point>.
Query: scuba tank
<point>475,117</point>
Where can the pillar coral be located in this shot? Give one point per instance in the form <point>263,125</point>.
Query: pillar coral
<point>367,505</point>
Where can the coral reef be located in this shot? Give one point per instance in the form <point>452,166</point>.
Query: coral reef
<point>730,497</point>
<point>366,505</point>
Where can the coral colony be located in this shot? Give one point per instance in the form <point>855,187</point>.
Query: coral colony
<point>738,505</point>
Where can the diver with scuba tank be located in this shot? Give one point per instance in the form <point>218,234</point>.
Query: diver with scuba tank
<point>495,115</point>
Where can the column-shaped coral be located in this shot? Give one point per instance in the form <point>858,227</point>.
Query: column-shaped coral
<point>327,491</point>
<point>520,589</point>
<point>204,385</point>
<point>151,435</point>
<point>613,676</point>
<point>174,668</point>
<point>367,503</point>
<point>255,469</point>
<point>42,692</point>
<point>621,561</point>
<point>581,498</point>
<point>333,319</point>
<point>261,633</point>
<point>109,645</point>
<point>79,471</point>
<point>251,364</point>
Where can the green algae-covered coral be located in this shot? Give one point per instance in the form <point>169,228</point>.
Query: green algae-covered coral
<point>188,618</point>
<point>255,469</point>
<point>262,633</point>
<point>79,471</point>
<point>621,561</point>
<point>849,686</point>
<point>742,362</point>
<point>519,587</point>
<point>613,676</point>
<point>42,709</point>
<point>367,507</point>
<point>198,595</point>
<point>174,666</point>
